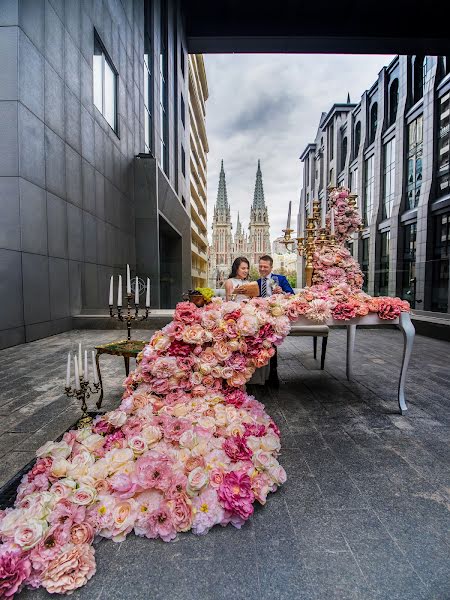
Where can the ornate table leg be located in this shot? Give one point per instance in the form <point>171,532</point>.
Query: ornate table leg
<point>99,401</point>
<point>408,340</point>
<point>351,333</point>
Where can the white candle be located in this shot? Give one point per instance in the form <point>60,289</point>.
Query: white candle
<point>94,367</point>
<point>288,226</point>
<point>119,292</point>
<point>111,290</point>
<point>77,374</point>
<point>147,299</point>
<point>68,371</point>
<point>136,292</point>
<point>86,372</point>
<point>323,213</point>
<point>80,364</point>
<point>332,221</point>
<point>128,280</point>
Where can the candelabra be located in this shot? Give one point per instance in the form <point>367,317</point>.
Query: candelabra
<point>128,316</point>
<point>82,394</point>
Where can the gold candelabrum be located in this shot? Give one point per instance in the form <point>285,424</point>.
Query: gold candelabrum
<point>131,314</point>
<point>313,235</point>
<point>82,393</point>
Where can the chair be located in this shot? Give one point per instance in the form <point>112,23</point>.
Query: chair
<point>315,331</point>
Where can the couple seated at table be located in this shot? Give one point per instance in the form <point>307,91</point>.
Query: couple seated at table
<point>238,287</point>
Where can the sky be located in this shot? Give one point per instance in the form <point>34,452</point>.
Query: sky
<point>268,107</point>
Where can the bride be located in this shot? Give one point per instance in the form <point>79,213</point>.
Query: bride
<point>235,288</point>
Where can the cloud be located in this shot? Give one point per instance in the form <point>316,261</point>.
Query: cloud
<point>268,107</point>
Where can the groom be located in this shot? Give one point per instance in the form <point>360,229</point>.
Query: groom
<point>265,289</point>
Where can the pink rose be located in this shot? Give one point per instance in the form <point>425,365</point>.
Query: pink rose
<point>181,509</point>
<point>187,312</point>
<point>82,533</point>
<point>388,310</point>
<point>237,449</point>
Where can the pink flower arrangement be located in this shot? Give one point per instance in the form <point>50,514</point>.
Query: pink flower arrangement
<point>235,494</point>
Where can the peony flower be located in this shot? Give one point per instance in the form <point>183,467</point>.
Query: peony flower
<point>237,449</point>
<point>70,570</point>
<point>152,473</point>
<point>160,524</point>
<point>15,568</point>
<point>235,494</point>
<point>208,512</point>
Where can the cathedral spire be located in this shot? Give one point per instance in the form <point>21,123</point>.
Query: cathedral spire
<point>222,208</point>
<point>238,226</point>
<point>258,196</point>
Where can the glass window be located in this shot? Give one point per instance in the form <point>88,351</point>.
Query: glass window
<point>368,190</point>
<point>365,262</point>
<point>182,59</point>
<point>331,141</point>
<point>163,91</point>
<point>104,83</point>
<point>441,257</point>
<point>393,101</point>
<point>183,161</point>
<point>183,110</point>
<point>415,152</point>
<point>418,62</point>
<point>343,153</point>
<point>383,271</point>
<point>409,264</point>
<point>357,139</point>
<point>426,73</point>
<point>373,122</point>
<point>389,178</point>
<point>443,158</point>
<point>148,84</point>
<point>353,183</point>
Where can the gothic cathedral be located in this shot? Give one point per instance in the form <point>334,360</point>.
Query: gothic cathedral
<point>224,247</point>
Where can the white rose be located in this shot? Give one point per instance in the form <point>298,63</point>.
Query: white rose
<point>151,435</point>
<point>277,474</point>
<point>197,479</point>
<point>137,443</point>
<point>117,418</point>
<point>54,449</point>
<point>263,460</point>
<point>10,521</point>
<point>94,442</point>
<point>270,442</point>
<point>119,457</point>
<point>28,534</point>
<point>84,496</point>
<point>188,439</point>
<point>80,465</point>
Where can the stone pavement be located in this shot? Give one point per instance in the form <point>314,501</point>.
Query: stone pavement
<point>364,514</point>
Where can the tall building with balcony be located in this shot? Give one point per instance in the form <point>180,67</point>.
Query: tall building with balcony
<point>198,150</point>
<point>392,149</point>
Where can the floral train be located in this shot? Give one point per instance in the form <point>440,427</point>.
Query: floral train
<point>187,448</point>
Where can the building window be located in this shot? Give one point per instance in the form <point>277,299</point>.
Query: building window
<point>175,97</point>
<point>440,288</point>
<point>427,72</point>
<point>182,59</point>
<point>415,152</point>
<point>183,111</point>
<point>369,178</point>
<point>105,83</point>
<point>443,158</point>
<point>357,139</point>
<point>148,84</point>
<point>343,153</point>
<point>365,262</point>
<point>393,101</point>
<point>183,201</point>
<point>373,122</point>
<point>417,78</point>
<point>388,178</point>
<point>331,142</point>
<point>163,91</point>
<point>353,183</point>
<point>383,273</point>
<point>409,264</point>
<point>183,161</point>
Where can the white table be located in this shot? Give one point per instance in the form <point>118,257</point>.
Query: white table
<point>404,323</point>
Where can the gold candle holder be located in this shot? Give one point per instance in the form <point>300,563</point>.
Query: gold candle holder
<point>310,248</point>
<point>82,394</point>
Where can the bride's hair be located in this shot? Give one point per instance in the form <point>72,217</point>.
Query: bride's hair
<point>236,264</point>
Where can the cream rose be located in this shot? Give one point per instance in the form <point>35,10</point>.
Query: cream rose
<point>119,457</point>
<point>80,465</point>
<point>197,479</point>
<point>151,435</point>
<point>59,467</point>
<point>28,534</point>
<point>84,495</point>
<point>54,449</point>
<point>94,442</point>
<point>263,459</point>
<point>270,443</point>
<point>137,443</point>
<point>117,418</point>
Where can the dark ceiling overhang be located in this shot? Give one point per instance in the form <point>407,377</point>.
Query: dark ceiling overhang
<point>311,26</point>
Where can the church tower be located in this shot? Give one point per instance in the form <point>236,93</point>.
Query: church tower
<point>259,228</point>
<point>240,241</point>
<point>222,241</point>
